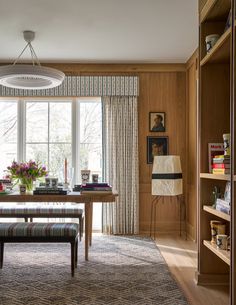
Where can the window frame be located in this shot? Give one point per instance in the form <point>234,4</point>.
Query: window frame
<point>75,125</point>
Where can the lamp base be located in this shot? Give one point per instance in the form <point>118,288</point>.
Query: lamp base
<point>154,203</point>
<point>153,215</point>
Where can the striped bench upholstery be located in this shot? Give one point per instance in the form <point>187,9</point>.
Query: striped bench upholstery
<point>36,210</point>
<point>40,232</point>
<point>22,229</point>
<point>40,210</point>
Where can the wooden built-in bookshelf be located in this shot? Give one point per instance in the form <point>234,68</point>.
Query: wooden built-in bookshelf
<point>216,116</point>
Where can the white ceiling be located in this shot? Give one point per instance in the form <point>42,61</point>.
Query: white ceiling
<point>101,31</point>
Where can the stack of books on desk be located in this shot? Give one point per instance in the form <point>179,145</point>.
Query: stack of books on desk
<point>98,188</point>
<point>7,183</point>
<point>42,190</point>
<point>221,165</point>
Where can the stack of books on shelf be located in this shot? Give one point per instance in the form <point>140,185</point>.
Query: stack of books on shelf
<point>221,165</point>
<point>223,206</point>
<point>98,188</point>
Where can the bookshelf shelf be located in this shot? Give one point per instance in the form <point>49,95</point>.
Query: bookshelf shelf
<point>222,254</point>
<point>215,176</point>
<point>220,53</point>
<point>213,211</point>
<point>215,10</point>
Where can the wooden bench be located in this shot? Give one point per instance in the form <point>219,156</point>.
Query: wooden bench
<point>40,210</point>
<point>24,232</point>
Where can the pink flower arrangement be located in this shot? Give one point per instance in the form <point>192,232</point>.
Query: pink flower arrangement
<point>26,172</point>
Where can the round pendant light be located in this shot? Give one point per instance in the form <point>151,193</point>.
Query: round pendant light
<point>33,77</point>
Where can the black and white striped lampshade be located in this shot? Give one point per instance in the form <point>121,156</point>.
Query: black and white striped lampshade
<point>167,176</point>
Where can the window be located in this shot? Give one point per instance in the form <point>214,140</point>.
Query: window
<point>51,130</point>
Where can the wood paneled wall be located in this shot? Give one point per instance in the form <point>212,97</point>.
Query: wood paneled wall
<point>163,87</point>
<point>191,143</point>
<point>161,92</point>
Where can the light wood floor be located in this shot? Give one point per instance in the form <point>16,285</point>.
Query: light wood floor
<point>181,257</point>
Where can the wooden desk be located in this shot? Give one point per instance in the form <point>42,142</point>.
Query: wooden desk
<point>76,197</point>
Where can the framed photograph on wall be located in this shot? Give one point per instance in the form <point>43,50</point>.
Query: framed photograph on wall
<point>157,121</point>
<point>156,146</point>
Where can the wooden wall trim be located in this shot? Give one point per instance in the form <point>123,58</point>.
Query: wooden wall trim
<point>191,143</point>
<point>83,69</point>
<point>192,59</point>
<point>118,68</point>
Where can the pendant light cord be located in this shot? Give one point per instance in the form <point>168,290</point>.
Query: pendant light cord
<point>34,57</point>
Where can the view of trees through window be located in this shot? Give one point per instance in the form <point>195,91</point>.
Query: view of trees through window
<point>91,137</point>
<point>49,134</point>
<point>8,134</point>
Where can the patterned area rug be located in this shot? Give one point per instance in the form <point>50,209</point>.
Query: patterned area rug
<point>120,270</point>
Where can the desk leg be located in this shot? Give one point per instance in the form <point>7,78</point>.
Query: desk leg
<point>87,227</point>
<point>90,224</point>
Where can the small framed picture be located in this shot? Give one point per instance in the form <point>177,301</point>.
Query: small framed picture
<point>157,122</point>
<point>156,146</point>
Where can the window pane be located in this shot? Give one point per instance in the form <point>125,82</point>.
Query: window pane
<point>90,122</point>
<point>60,122</point>
<point>91,137</point>
<point>8,153</point>
<point>36,122</point>
<point>37,152</point>
<point>57,155</point>
<point>47,123</point>
<point>8,134</point>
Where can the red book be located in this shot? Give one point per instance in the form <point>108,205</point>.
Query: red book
<point>214,149</point>
<point>220,165</point>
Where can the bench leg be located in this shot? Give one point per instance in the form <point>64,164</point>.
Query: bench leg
<point>81,227</point>
<point>73,258</point>
<point>1,254</point>
<point>76,253</point>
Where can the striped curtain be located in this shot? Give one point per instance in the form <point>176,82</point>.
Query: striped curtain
<point>120,137</point>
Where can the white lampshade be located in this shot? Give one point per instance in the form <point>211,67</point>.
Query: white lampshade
<point>167,176</point>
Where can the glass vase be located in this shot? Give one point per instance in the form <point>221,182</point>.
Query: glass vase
<point>29,183</point>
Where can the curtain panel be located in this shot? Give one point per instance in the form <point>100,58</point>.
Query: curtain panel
<point>120,136</point>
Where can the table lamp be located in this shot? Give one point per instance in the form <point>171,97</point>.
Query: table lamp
<point>167,176</point>
<point>166,181</point>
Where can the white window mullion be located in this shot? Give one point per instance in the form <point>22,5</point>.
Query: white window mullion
<point>48,135</point>
<point>75,138</point>
<point>21,130</point>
